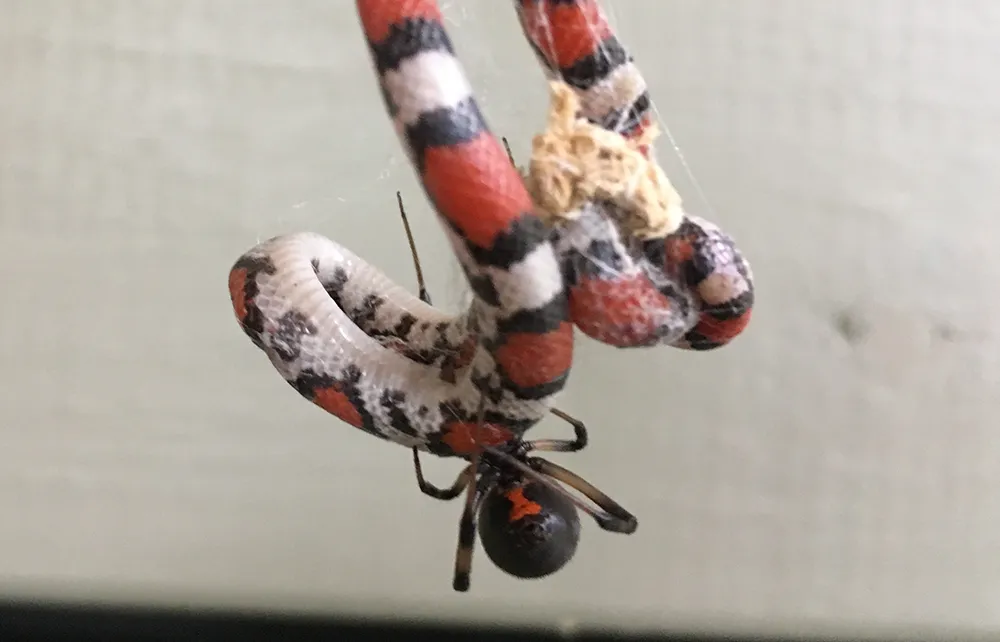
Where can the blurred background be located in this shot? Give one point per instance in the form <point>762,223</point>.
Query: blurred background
<point>834,469</point>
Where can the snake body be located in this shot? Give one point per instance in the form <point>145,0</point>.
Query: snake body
<point>691,289</point>
<point>377,357</point>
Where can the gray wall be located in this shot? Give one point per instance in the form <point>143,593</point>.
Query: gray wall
<point>836,466</point>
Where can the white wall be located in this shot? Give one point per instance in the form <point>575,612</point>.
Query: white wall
<point>837,466</point>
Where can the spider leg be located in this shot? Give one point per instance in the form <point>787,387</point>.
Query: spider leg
<point>421,284</point>
<point>510,154</point>
<point>464,479</point>
<point>466,476</point>
<point>614,517</point>
<point>578,443</point>
<point>609,514</point>
<point>470,514</point>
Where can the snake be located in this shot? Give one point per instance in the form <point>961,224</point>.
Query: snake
<point>368,351</point>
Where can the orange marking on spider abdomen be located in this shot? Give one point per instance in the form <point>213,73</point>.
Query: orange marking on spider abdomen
<point>334,401</point>
<point>534,359</point>
<point>237,292</point>
<point>566,33</point>
<point>625,312</point>
<point>475,187</point>
<point>378,16</point>
<point>521,506</point>
<point>464,436</point>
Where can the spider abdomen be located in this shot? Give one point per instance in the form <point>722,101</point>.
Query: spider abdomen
<point>529,530</point>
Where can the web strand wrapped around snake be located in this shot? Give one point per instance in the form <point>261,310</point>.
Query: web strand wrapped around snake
<point>469,385</point>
